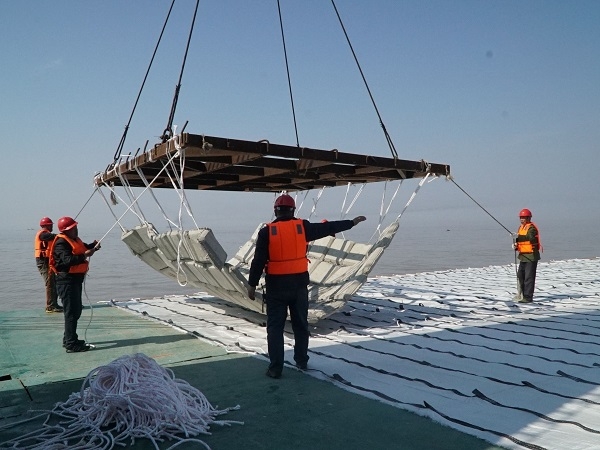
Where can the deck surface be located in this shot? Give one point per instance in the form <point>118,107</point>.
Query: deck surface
<point>297,411</point>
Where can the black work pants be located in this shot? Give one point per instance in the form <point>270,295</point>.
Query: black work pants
<point>278,302</point>
<point>70,293</point>
<point>526,276</point>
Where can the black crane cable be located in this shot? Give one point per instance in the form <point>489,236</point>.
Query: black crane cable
<point>485,210</point>
<point>168,132</point>
<point>287,68</point>
<point>122,143</point>
<point>498,222</point>
<point>387,136</point>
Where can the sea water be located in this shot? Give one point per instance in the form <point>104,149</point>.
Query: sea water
<point>424,243</point>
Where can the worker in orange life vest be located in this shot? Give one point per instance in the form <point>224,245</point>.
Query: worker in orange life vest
<point>528,245</point>
<point>41,243</point>
<point>281,253</point>
<point>69,261</point>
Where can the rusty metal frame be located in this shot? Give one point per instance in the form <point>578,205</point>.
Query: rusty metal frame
<point>223,164</point>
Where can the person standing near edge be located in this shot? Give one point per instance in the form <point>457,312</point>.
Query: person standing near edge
<point>68,259</point>
<point>41,243</point>
<point>529,245</point>
<point>281,252</point>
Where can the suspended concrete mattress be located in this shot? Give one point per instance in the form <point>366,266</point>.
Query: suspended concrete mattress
<point>337,267</point>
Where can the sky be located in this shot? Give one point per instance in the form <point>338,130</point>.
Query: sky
<point>505,92</point>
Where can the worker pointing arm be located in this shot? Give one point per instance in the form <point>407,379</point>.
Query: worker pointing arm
<point>281,253</point>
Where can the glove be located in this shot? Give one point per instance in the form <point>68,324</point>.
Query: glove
<point>359,219</point>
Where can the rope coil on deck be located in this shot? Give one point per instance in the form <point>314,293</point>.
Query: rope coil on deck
<point>131,397</point>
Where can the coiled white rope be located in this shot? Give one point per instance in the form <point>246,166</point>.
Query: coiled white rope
<point>129,398</point>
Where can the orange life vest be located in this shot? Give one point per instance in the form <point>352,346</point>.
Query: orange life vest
<point>527,246</point>
<point>40,248</point>
<point>287,248</point>
<point>78,249</point>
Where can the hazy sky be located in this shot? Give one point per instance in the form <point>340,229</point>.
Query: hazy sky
<point>506,92</point>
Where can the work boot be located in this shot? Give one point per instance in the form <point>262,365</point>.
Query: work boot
<point>525,300</point>
<point>272,374</point>
<point>79,342</point>
<point>79,348</point>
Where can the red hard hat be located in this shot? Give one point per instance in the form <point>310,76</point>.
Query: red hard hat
<point>285,200</point>
<point>46,222</point>
<point>66,223</point>
<point>525,213</point>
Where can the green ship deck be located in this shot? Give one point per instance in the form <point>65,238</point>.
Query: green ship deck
<point>294,412</point>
